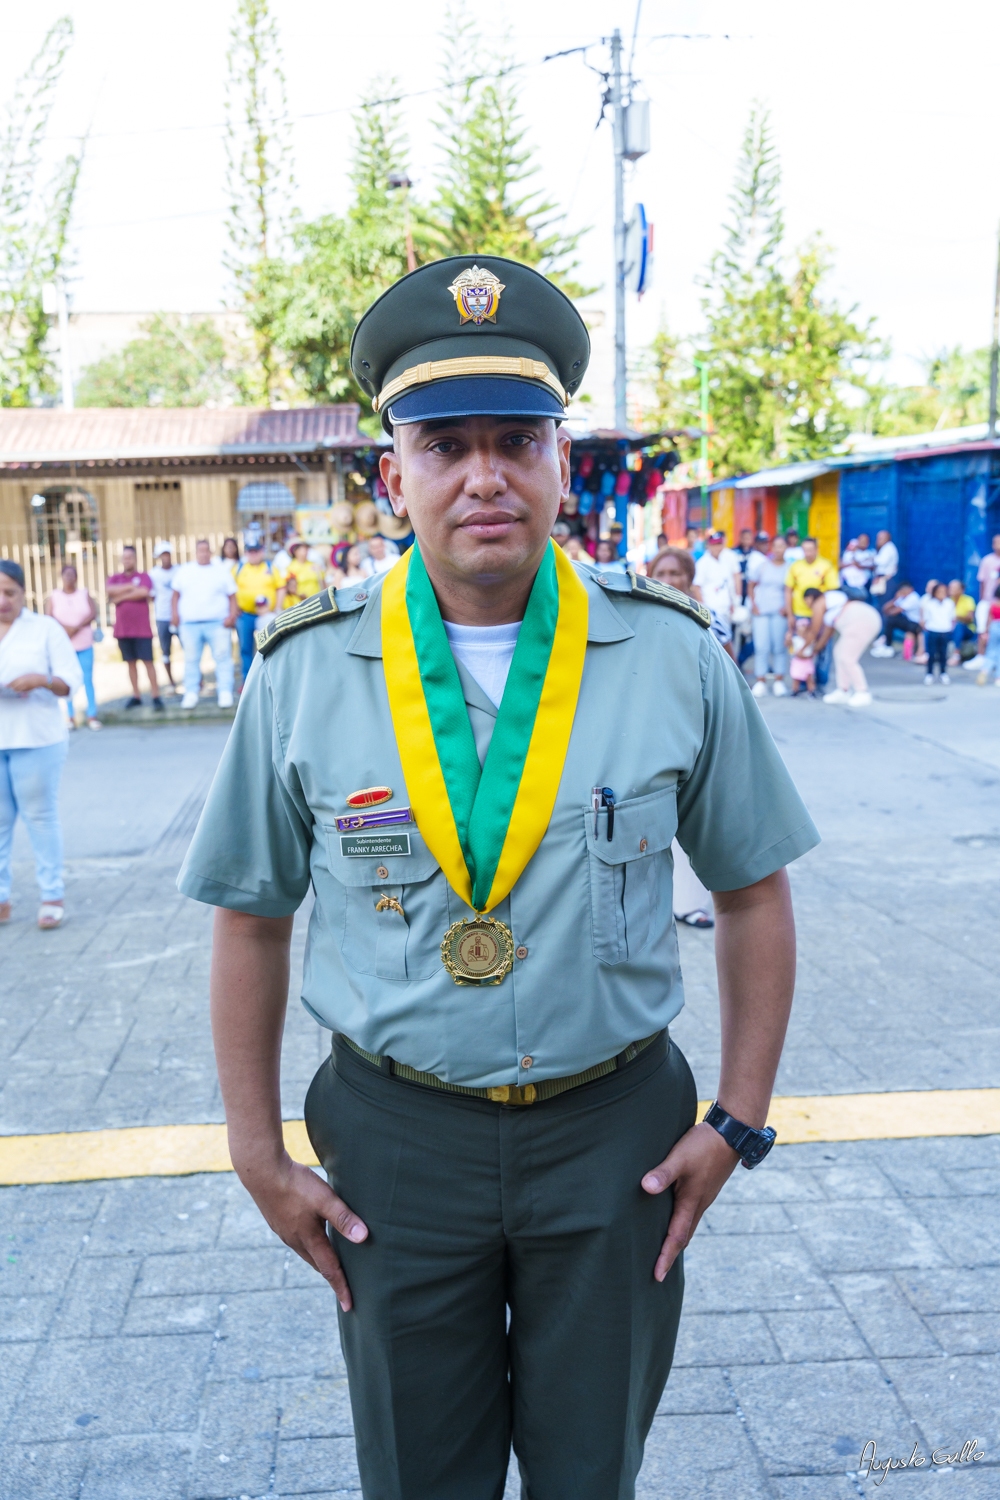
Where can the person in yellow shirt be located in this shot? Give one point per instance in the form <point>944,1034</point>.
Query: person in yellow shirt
<point>256,595</point>
<point>300,578</point>
<point>965,619</point>
<point>810,572</point>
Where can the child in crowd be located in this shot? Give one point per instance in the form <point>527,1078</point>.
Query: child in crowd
<point>937,616</point>
<point>802,663</point>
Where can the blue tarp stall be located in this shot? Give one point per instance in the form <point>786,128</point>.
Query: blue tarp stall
<point>942,508</point>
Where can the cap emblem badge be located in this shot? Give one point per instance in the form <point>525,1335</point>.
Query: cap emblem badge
<point>477,295</point>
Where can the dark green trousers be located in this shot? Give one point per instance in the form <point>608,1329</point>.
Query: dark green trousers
<point>474,1208</point>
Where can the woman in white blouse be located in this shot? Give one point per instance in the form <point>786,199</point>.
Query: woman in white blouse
<point>38,666</point>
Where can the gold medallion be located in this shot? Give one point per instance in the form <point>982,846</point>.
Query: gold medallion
<point>477,295</point>
<point>480,951</point>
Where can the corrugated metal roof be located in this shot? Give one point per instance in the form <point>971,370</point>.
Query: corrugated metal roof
<point>786,474</point>
<point>102,434</point>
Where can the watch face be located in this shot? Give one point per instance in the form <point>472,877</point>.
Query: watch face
<point>754,1153</point>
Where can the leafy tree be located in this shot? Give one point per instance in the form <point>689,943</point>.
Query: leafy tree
<point>483,204</point>
<point>34,223</point>
<point>956,393</point>
<point>783,358</point>
<point>259,182</point>
<point>173,363</point>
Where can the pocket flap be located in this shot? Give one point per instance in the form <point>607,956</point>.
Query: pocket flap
<point>643,825</point>
<point>398,849</point>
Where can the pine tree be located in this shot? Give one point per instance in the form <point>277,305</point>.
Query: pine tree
<point>34,224</point>
<point>782,358</point>
<point>259,180</point>
<point>483,204</point>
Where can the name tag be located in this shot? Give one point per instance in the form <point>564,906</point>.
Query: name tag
<point>374,845</point>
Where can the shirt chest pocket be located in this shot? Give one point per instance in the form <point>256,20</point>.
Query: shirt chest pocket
<point>395,910</point>
<point>630,880</point>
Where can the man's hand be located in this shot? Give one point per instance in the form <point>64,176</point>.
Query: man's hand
<point>298,1205</point>
<point>697,1167</point>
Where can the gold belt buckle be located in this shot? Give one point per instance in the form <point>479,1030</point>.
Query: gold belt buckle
<point>513,1093</point>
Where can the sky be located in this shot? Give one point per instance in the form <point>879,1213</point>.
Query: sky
<point>883,112</point>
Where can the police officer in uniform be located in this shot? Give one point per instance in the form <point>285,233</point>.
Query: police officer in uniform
<point>479,762</point>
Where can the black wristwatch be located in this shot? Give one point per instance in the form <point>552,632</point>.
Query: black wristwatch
<point>750,1145</point>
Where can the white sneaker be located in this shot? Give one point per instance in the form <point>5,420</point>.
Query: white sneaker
<point>860,700</point>
<point>837,696</point>
<point>759,690</point>
<point>225,700</point>
<point>780,691</point>
<point>945,680</point>
<point>190,700</point>
<point>973,664</point>
<point>929,679</point>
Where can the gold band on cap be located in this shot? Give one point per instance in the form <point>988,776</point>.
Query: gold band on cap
<point>472,364</point>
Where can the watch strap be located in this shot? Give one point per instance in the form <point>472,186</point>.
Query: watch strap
<point>750,1144</point>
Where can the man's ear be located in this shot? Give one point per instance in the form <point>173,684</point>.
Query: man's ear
<point>392,478</point>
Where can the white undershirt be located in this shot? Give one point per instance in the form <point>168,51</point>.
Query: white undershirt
<point>486,652</point>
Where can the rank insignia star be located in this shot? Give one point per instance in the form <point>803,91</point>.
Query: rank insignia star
<point>477,295</point>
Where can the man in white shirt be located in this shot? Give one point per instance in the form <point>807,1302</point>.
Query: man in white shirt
<point>162,573</point>
<point>714,575</point>
<point>886,563</point>
<point>793,547</point>
<point>382,556</point>
<point>858,562</point>
<point>988,574</point>
<point>203,608</point>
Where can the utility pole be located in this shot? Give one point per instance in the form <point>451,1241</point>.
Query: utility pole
<point>995,351</point>
<point>621,413</point>
<point>702,368</point>
<point>401,181</point>
<point>56,305</point>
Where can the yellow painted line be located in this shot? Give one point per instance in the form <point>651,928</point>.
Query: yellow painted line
<point>179,1150</point>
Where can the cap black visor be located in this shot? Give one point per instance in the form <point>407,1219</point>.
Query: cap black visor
<point>475,396</point>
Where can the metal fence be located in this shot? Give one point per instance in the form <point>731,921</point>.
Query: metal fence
<point>95,562</point>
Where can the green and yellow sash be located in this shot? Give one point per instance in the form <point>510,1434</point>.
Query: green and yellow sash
<point>483,824</point>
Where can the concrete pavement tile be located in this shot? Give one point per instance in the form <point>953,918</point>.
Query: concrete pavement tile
<point>948,1152</point>
<point>239,1430</point>
<point>746,1218</point>
<point>14,1367</point>
<point>151,1466</point>
<point>883,1314</point>
<point>967,1228</point>
<point>828,1334</point>
<point>28,1107</point>
<point>724,1338</point>
<point>917,1180</point>
<point>700,1458</point>
<point>966,1333</point>
<point>784,1276</point>
<point>42,1471</point>
<point>279,1333</point>
<point>315,1408</point>
<point>973,1181</point>
<point>870,1237</point>
<point>95,1387</point>
<point>144,1215</point>
<point>952,1399</point>
<point>297,1272</point>
<point>815,1487</point>
<point>953,1290</point>
<point>807,1418</point>
<point>41,1202</point>
<point>305,1465</point>
<point>38,1257</point>
<point>777,1185</point>
<point>851,1182</point>
<point>691,1390</point>
<point>211,1271</point>
<point>243,1225</point>
<point>94,1302</point>
<point>23,1319</point>
<point>187,1313</point>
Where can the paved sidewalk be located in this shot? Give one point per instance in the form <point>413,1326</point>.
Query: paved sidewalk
<point>158,1340</point>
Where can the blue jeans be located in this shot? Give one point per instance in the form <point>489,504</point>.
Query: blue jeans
<point>769,650</point>
<point>246,624</point>
<point>29,785</point>
<point>992,667</point>
<point>195,636</point>
<point>86,660</point>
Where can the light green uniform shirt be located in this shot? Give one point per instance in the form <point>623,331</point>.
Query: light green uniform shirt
<point>664,718</point>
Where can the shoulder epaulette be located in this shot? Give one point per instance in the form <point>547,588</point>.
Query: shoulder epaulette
<point>312,611</point>
<point>655,592</point>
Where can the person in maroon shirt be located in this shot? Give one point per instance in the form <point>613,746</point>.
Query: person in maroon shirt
<point>130,592</point>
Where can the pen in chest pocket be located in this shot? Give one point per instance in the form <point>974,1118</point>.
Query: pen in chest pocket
<point>603,796</point>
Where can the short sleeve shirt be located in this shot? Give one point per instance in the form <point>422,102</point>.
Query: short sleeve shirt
<point>132,615</point>
<point>989,572</point>
<point>664,717</point>
<point>803,575</point>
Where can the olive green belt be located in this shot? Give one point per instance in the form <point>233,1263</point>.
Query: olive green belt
<point>508,1093</point>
